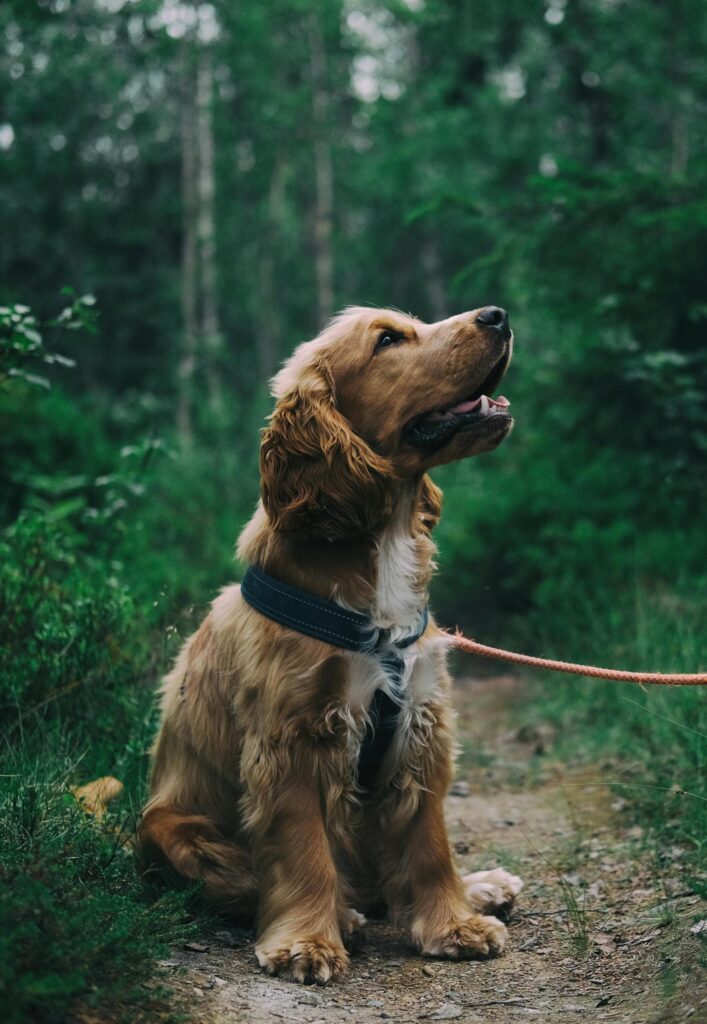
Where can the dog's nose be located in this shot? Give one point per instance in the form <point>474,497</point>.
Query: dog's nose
<point>493,316</point>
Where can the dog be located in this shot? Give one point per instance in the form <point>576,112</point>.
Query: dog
<point>306,741</point>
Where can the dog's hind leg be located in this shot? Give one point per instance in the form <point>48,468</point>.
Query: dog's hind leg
<point>191,847</point>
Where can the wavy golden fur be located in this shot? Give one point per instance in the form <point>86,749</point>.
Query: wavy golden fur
<point>254,789</point>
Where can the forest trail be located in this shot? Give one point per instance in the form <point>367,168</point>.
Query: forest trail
<point>598,934</point>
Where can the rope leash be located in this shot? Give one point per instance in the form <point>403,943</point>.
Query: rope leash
<point>618,675</point>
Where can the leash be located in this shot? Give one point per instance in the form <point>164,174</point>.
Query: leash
<point>617,675</point>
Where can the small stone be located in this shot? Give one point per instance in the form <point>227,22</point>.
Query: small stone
<point>374,1002</point>
<point>447,1011</point>
<point>455,997</point>
<point>196,947</point>
<point>309,999</point>
<point>427,970</point>
<point>460,788</point>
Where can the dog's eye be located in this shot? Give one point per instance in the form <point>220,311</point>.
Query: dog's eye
<point>388,337</point>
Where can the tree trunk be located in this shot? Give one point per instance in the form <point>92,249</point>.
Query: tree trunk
<point>210,325</point>
<point>189,270</point>
<point>269,332</point>
<point>323,174</point>
<point>434,282</point>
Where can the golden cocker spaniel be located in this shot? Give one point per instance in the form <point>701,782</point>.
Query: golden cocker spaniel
<point>306,741</point>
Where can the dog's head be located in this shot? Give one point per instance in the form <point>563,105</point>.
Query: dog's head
<point>377,398</point>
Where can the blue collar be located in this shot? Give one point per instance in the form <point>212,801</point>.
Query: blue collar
<point>324,620</point>
<point>314,616</point>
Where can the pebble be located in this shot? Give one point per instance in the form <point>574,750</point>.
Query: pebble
<point>447,1011</point>
<point>374,1002</point>
<point>460,788</point>
<point>309,999</point>
<point>428,971</point>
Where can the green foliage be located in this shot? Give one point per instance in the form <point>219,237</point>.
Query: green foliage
<point>76,922</point>
<point>22,343</point>
<point>67,628</point>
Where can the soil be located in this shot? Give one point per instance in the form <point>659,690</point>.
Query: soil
<point>597,934</point>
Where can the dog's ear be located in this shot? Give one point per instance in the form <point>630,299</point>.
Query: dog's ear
<point>429,504</point>
<point>317,476</point>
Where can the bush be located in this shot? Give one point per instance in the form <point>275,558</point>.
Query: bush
<point>68,638</point>
<point>76,922</point>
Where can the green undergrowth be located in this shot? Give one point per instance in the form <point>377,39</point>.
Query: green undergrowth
<point>92,610</point>
<point>650,741</point>
<point>78,926</point>
<point>79,929</point>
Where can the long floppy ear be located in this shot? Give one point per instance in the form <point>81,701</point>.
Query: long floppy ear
<point>429,504</point>
<point>317,476</point>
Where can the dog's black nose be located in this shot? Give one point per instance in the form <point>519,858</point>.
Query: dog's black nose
<point>493,316</point>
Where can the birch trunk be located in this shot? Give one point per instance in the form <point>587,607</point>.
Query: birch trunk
<point>210,324</point>
<point>434,282</point>
<point>323,174</point>
<point>189,270</point>
<point>269,333</point>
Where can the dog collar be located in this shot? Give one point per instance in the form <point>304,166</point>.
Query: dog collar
<point>319,618</point>
<point>325,620</point>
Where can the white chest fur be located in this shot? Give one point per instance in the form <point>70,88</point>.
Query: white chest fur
<point>400,593</point>
<point>400,599</point>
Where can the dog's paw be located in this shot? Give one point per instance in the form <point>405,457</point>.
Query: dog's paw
<point>492,892</point>
<point>312,960</point>
<point>464,938</point>
<point>351,925</point>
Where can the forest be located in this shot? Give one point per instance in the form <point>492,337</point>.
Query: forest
<point>187,191</point>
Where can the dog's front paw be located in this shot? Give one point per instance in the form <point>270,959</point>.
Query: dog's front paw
<point>462,938</point>
<point>492,892</point>
<point>310,960</point>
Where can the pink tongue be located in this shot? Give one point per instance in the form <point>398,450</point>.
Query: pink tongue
<point>469,405</point>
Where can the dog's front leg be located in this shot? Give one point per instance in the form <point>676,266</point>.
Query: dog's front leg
<point>300,904</point>
<point>421,881</point>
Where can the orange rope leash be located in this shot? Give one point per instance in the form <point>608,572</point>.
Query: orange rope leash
<point>618,675</point>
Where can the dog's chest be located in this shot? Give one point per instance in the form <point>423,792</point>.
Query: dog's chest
<point>418,682</point>
<point>398,607</point>
<point>400,593</point>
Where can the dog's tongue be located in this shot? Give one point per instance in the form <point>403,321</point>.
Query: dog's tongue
<point>485,406</point>
<point>484,402</point>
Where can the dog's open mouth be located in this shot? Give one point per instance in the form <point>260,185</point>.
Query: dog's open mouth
<point>432,429</point>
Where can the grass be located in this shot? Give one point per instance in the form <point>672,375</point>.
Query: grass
<point>651,740</point>
<point>78,927</point>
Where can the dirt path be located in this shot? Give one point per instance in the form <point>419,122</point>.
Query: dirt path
<point>597,935</point>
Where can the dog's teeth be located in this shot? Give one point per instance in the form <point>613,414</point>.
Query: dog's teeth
<point>484,406</point>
